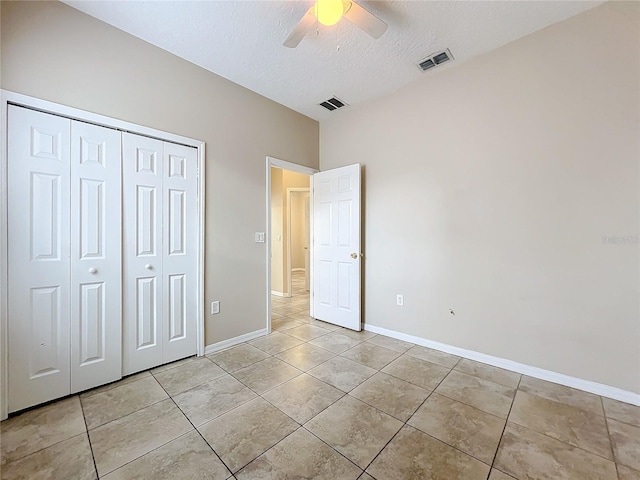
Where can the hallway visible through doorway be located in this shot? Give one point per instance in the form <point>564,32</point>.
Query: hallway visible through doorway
<point>291,314</point>
<point>294,310</point>
<point>290,296</point>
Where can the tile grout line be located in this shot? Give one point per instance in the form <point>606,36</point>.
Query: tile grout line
<point>506,422</point>
<point>561,441</point>
<point>613,454</point>
<point>49,403</point>
<point>432,436</point>
<point>93,457</point>
<point>265,451</point>
<point>462,403</point>
<point>332,448</point>
<point>129,414</point>
<point>584,450</point>
<point>193,386</point>
<point>155,403</point>
<point>194,428</point>
<point>150,451</point>
<point>404,424</point>
<point>45,448</point>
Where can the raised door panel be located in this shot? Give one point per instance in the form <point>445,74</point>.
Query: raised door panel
<point>146,314</point>
<point>177,308</point>
<point>96,280</point>
<point>180,207</point>
<point>38,253</point>
<point>142,180</point>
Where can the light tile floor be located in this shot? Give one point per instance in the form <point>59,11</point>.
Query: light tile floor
<point>313,401</point>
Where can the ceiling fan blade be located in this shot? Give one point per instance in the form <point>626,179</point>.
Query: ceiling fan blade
<point>366,20</point>
<point>301,29</point>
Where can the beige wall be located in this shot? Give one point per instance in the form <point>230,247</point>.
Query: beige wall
<point>489,189</point>
<point>56,53</point>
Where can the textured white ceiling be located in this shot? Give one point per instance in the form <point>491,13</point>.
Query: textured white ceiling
<point>242,41</point>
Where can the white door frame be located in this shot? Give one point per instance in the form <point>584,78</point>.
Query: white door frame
<point>276,162</point>
<point>7,98</point>
<point>289,190</point>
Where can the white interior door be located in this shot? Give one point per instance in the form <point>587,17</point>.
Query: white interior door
<point>336,246</point>
<point>180,241</point>
<point>142,166</point>
<point>38,252</point>
<point>96,315</point>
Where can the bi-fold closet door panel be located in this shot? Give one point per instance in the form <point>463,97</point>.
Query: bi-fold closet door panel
<point>39,268</point>
<point>160,259</point>
<point>96,270</point>
<point>180,242</point>
<point>64,279</point>
<point>142,201</point>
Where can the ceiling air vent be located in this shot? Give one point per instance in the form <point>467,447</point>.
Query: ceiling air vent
<point>332,104</point>
<point>434,60</point>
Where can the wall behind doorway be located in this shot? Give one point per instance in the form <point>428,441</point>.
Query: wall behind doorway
<point>281,180</point>
<point>298,230</point>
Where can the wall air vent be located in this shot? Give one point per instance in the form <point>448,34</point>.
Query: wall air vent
<point>434,60</point>
<point>332,104</point>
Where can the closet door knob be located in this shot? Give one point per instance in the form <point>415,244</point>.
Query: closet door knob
<point>148,266</point>
<point>93,270</point>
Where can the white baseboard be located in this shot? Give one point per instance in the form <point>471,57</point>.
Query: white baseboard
<point>555,377</point>
<point>297,269</point>
<point>216,347</point>
<point>278,294</point>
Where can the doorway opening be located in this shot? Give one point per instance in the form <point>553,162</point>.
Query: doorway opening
<point>290,247</point>
<point>325,285</point>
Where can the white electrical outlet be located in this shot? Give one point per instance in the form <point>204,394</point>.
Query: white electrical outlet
<point>259,237</point>
<point>215,307</point>
<point>400,300</point>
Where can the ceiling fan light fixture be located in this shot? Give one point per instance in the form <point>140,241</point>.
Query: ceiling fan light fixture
<point>328,12</point>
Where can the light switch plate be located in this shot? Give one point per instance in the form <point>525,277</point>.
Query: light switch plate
<point>215,307</point>
<point>259,237</point>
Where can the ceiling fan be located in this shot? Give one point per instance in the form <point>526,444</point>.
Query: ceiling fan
<point>329,12</point>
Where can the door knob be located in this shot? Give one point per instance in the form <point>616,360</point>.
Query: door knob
<point>148,266</point>
<point>354,255</point>
<point>93,270</point>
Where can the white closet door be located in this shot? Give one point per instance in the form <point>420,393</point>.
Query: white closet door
<point>142,165</point>
<point>38,244</point>
<point>180,240</point>
<point>96,315</point>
